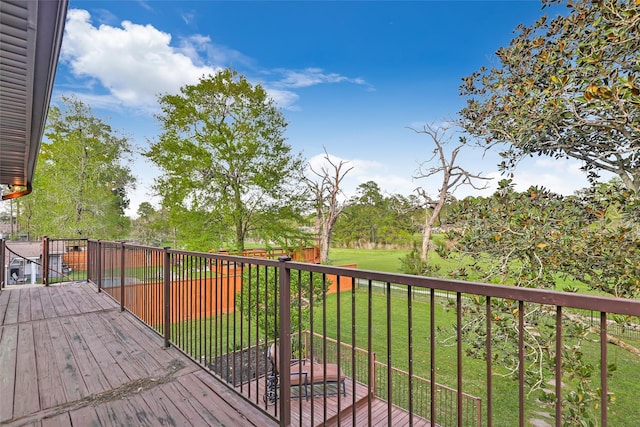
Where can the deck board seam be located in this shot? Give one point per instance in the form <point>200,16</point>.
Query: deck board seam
<point>60,317</point>
<point>126,390</point>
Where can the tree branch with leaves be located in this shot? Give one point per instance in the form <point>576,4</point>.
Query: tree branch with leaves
<point>82,179</point>
<point>227,172</point>
<point>565,87</point>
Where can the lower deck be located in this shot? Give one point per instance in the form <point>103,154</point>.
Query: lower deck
<point>335,409</point>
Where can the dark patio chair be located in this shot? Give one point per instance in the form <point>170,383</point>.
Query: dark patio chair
<point>306,374</point>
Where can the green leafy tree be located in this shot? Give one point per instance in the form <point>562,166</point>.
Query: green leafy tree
<point>260,295</point>
<point>227,172</point>
<point>515,236</point>
<point>82,177</point>
<point>151,226</point>
<point>566,87</point>
<point>403,215</point>
<point>610,245</point>
<point>533,239</point>
<point>360,221</point>
<point>372,219</point>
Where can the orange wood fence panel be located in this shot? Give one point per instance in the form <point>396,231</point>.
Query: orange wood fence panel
<point>195,298</point>
<point>346,283</point>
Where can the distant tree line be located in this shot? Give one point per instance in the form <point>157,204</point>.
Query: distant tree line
<point>375,220</point>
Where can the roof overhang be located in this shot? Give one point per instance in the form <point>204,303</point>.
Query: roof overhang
<point>30,40</point>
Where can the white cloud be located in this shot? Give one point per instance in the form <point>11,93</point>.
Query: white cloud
<point>313,76</point>
<point>145,5</point>
<point>188,17</point>
<point>558,175</point>
<point>133,62</point>
<point>201,49</point>
<point>561,176</point>
<point>284,98</point>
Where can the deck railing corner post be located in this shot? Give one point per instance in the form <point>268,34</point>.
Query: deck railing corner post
<point>285,339</point>
<point>3,243</point>
<point>98,263</point>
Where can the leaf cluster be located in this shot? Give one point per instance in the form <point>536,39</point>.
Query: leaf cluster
<point>567,86</point>
<point>374,219</point>
<point>535,237</point>
<point>259,298</point>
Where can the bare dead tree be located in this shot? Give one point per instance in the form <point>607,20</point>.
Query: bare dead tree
<point>453,176</point>
<point>326,190</point>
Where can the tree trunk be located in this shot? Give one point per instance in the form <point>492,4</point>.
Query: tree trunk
<point>325,238</point>
<point>428,226</point>
<point>239,220</point>
<point>426,238</point>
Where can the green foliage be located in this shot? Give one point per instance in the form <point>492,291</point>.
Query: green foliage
<point>260,295</point>
<point>372,219</point>
<point>515,235</point>
<point>531,239</point>
<point>227,172</point>
<point>81,181</point>
<point>151,226</point>
<point>534,237</point>
<point>566,87</point>
<point>412,263</point>
<point>605,254</point>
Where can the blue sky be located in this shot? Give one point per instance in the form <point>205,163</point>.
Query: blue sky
<point>350,76</point>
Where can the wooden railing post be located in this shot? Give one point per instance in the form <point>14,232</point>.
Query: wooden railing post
<point>166,286</point>
<point>45,261</point>
<point>122,275</point>
<point>285,341</point>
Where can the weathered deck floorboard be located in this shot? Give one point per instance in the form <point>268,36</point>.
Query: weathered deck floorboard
<point>321,410</point>
<point>69,357</point>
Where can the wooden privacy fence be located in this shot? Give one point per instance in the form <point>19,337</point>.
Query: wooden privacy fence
<point>309,254</point>
<point>209,292</point>
<point>196,298</point>
<point>193,299</point>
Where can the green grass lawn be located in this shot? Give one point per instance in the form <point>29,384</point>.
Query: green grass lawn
<point>624,383</point>
<point>215,336</point>
<point>389,261</point>
<point>367,259</point>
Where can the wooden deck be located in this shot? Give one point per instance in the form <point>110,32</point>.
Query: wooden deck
<point>69,357</point>
<point>337,410</point>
